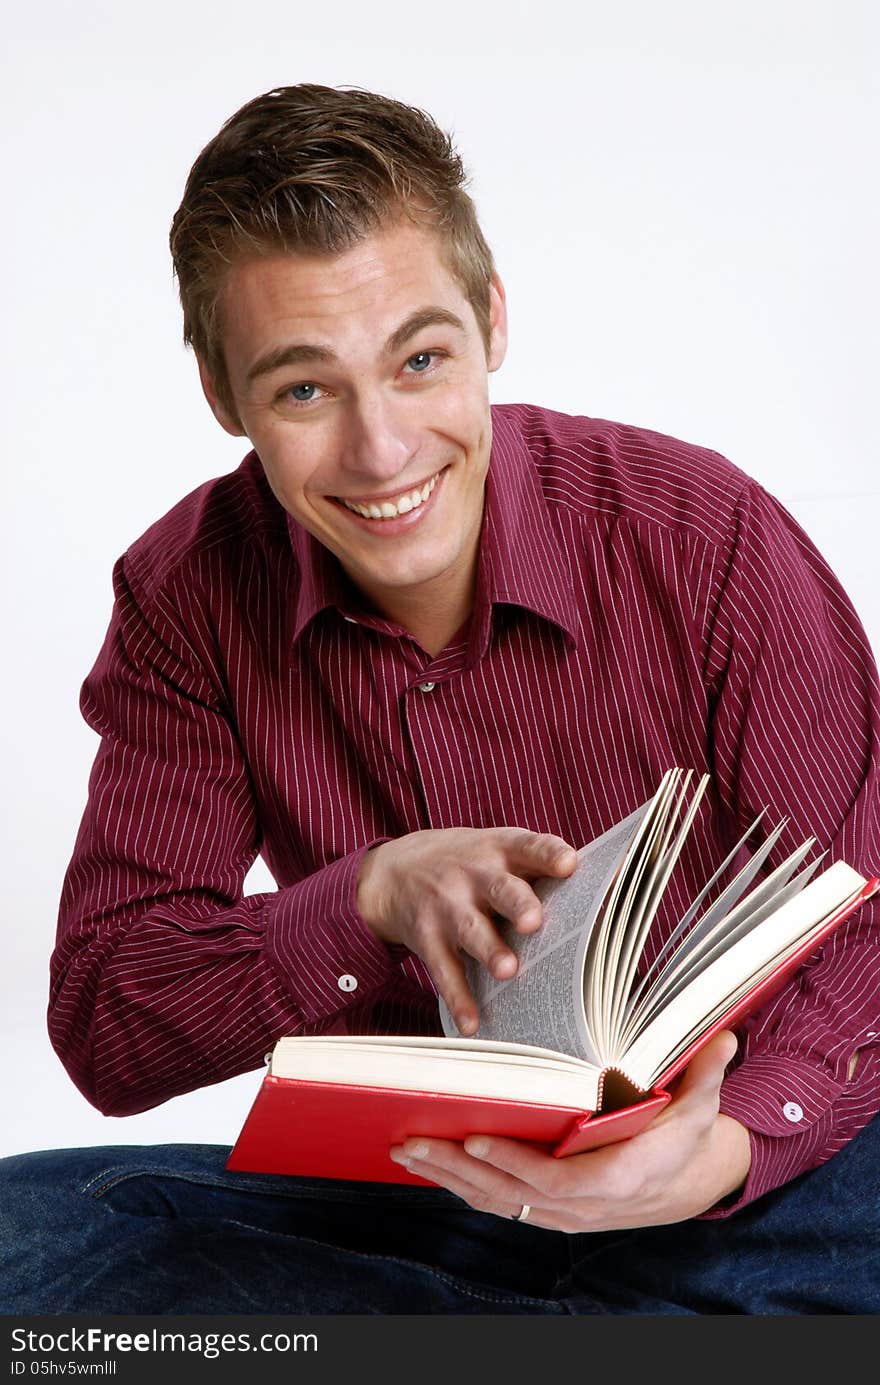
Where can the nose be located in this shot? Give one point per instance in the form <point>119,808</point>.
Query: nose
<point>379,441</point>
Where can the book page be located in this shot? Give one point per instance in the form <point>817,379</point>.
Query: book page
<point>735,972</point>
<point>714,936</point>
<point>462,1067</point>
<point>635,929</point>
<point>543,1004</point>
<point>642,856</point>
<point>677,941</point>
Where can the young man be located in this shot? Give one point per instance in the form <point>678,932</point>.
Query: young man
<point>415,650</point>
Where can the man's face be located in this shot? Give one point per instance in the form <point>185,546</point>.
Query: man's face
<point>361,380</point>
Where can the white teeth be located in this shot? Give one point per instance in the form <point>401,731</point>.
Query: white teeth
<point>389,509</point>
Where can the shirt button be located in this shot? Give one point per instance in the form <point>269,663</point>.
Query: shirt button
<point>347,983</point>
<point>792,1111</point>
<point>427,687</point>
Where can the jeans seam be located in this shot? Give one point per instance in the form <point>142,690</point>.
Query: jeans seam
<point>460,1285</point>
<point>108,1178</point>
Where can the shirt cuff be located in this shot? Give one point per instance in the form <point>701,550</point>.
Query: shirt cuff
<point>787,1106</point>
<point>320,943</point>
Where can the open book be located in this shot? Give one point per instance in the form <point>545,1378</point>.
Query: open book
<point>579,1048</point>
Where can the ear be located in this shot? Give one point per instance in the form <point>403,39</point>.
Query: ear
<point>497,323</point>
<point>226,420</point>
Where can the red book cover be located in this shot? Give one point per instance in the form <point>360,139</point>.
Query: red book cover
<point>339,1130</point>
<point>326,1130</point>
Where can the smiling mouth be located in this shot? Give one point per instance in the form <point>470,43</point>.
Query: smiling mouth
<point>402,504</point>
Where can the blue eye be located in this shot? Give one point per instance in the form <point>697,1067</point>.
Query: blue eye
<point>424,356</point>
<point>300,398</point>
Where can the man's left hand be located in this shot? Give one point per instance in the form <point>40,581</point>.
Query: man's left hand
<point>685,1161</point>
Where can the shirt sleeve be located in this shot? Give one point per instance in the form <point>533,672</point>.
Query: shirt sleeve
<point>795,727</point>
<point>164,976</point>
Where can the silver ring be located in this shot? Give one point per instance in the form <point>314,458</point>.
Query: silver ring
<point>522,1213</point>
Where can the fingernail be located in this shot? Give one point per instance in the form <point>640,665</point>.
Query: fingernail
<point>477,1146</point>
<point>504,964</point>
<point>419,1151</point>
<point>399,1157</point>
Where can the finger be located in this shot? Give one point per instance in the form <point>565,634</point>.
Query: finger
<point>448,974</point>
<point>513,899</point>
<point>446,1162</point>
<point>508,1201</point>
<point>540,853</point>
<point>455,1183</point>
<point>477,935</point>
<point>546,1178</point>
<point>598,1188</point>
<point>706,1069</point>
<point>508,1171</point>
<point>697,1091</point>
<point>544,1218</point>
<point>474,1197</point>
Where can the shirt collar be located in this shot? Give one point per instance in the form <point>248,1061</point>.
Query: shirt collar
<point>521,558</point>
<point>520,561</point>
<point>322,579</point>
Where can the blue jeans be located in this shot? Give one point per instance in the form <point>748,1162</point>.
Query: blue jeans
<point>165,1229</point>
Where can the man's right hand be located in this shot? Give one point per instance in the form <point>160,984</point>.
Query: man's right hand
<point>442,892</point>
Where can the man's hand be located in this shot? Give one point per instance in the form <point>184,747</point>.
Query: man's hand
<point>440,892</point>
<point>684,1162</point>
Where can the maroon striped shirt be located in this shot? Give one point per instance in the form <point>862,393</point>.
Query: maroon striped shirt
<point>640,604</point>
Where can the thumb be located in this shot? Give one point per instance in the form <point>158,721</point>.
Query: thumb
<point>706,1069</point>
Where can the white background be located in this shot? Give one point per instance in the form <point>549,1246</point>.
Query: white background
<point>682,199</point>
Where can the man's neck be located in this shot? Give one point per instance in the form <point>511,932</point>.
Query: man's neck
<point>432,630</point>
<point>433,611</point>
<point>433,619</point>
<point>434,639</point>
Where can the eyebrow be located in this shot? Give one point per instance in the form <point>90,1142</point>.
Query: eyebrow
<point>299,353</point>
